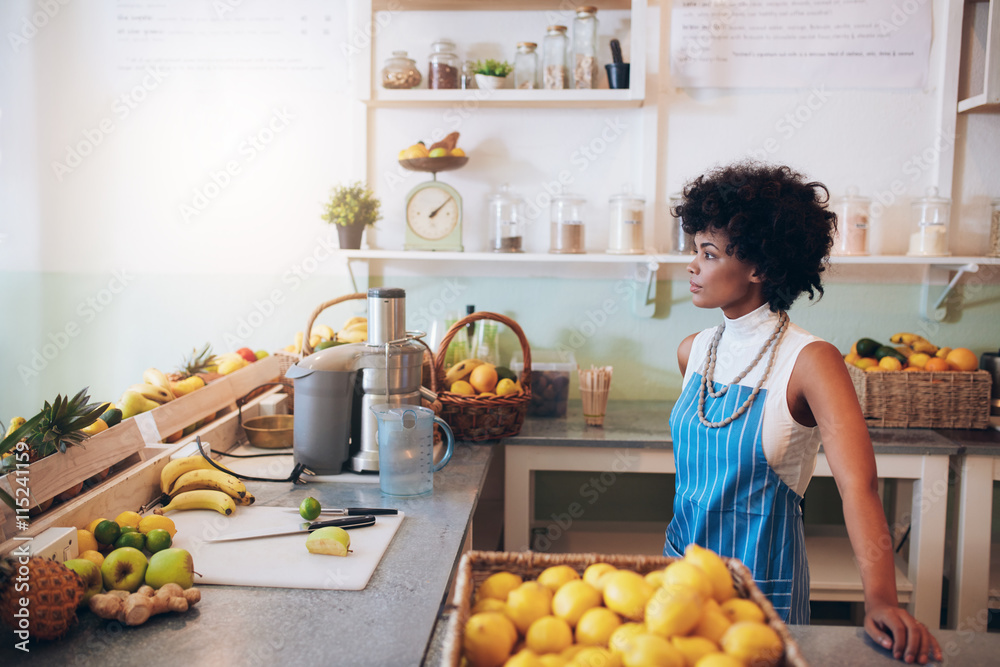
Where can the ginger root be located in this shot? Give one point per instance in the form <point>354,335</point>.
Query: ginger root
<point>135,609</point>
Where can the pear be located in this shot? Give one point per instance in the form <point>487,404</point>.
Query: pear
<point>332,540</point>
<point>170,566</point>
<point>132,403</point>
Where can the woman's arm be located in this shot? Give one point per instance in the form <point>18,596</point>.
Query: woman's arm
<point>683,352</point>
<point>821,390</point>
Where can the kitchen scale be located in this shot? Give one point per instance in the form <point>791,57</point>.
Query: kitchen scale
<point>434,208</point>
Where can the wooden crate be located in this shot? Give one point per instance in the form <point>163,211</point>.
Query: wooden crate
<point>133,442</point>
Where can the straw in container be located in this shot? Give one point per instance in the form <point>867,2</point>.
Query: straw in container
<point>594,386</point>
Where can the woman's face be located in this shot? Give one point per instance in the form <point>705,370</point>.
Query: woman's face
<point>721,281</point>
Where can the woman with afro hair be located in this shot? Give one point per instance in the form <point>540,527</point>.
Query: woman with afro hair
<point>759,393</point>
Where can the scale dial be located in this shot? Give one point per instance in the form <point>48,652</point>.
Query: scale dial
<point>434,217</point>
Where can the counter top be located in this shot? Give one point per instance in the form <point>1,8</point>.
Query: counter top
<point>390,622</point>
<point>645,425</point>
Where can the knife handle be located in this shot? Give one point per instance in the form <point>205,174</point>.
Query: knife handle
<point>377,511</point>
<point>346,522</point>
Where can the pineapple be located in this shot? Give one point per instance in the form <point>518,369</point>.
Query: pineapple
<point>52,591</point>
<point>198,362</point>
<point>59,425</point>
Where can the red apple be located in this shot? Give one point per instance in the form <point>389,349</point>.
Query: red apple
<point>247,354</point>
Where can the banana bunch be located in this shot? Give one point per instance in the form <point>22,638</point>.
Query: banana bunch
<point>461,371</point>
<point>914,343</point>
<point>194,483</point>
<point>355,330</point>
<point>203,499</point>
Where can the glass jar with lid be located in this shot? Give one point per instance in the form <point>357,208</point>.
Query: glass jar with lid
<point>526,66</point>
<point>681,243</point>
<point>400,72</point>
<point>567,226</point>
<point>853,224</point>
<point>584,60</point>
<point>627,232</point>
<point>554,74</point>
<point>443,66</point>
<point>930,215</point>
<point>506,221</point>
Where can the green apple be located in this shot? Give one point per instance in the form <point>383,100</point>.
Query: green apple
<point>170,566</point>
<point>91,575</point>
<point>133,403</point>
<point>438,152</point>
<point>332,540</point>
<point>124,569</point>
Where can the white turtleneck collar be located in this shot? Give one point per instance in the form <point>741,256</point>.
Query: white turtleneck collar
<point>751,323</point>
<point>741,341</point>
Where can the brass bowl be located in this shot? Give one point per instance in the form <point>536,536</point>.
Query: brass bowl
<point>435,164</point>
<point>269,431</point>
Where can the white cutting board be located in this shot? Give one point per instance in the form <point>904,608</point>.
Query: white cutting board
<point>278,562</point>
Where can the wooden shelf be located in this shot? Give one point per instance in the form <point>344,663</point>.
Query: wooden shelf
<point>584,99</point>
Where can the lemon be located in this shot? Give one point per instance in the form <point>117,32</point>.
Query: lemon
<point>673,610</point>
<point>552,660</point>
<point>93,524</point>
<point>713,623</point>
<point>719,660</point>
<point>85,541</point>
<point>864,363</point>
<point>694,648</point>
<point>498,586</point>
<point>488,639</point>
<point>557,575</point>
<point>594,574</point>
<point>888,363</point>
<point>489,604</point>
<point>626,593</point>
<point>655,578</point>
<point>570,653</point>
<point>505,387</point>
<point>549,634</point>
<point>621,638</point>
<point>524,658</point>
<point>594,656</point>
<point>95,428</point>
<point>574,598</point>
<point>918,359</point>
<point>596,626</point>
<point>738,609</point>
<point>94,556</point>
<point>652,651</point>
<point>462,387</point>
<point>128,519</point>
<point>527,603</point>
<point>753,643</point>
<point>154,521</point>
<point>685,573</point>
<point>715,568</point>
<point>457,152</point>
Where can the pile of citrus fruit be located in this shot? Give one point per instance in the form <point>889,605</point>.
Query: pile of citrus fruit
<point>909,352</point>
<point>129,529</point>
<point>473,377</point>
<point>685,614</point>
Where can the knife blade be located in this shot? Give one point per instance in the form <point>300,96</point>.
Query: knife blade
<point>352,511</point>
<point>347,523</point>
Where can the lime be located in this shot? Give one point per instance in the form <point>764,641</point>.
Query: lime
<point>505,373</point>
<point>157,540</point>
<point>310,509</point>
<point>107,532</point>
<point>133,539</point>
<point>129,529</point>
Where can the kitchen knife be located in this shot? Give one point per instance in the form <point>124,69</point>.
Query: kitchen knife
<point>352,511</point>
<point>346,523</point>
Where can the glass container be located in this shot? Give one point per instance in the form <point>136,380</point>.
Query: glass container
<point>443,66</point>
<point>567,226</point>
<point>507,221</point>
<point>853,224</point>
<point>584,61</point>
<point>930,216</point>
<point>627,235</point>
<point>994,249</point>
<point>400,72</point>
<point>468,77</point>
<point>554,73</point>
<point>526,66</point>
<point>681,243</point>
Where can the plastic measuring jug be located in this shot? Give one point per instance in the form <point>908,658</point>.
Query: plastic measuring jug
<point>406,448</point>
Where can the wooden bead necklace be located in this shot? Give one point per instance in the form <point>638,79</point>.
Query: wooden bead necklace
<point>707,383</point>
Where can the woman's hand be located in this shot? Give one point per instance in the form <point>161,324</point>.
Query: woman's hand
<point>893,628</point>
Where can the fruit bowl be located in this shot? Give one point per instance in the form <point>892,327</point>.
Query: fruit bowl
<point>435,164</point>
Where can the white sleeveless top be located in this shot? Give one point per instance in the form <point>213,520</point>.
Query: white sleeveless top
<point>789,447</point>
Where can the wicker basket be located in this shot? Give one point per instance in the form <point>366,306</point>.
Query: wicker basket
<point>477,565</point>
<point>924,399</point>
<point>476,418</point>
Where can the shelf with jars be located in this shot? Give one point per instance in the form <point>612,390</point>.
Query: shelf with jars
<point>983,50</point>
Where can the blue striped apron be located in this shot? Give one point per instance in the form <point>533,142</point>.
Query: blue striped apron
<point>729,500</point>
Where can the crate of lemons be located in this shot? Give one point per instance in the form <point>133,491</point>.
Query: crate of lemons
<point>688,613</point>
<point>909,352</point>
<point>474,377</point>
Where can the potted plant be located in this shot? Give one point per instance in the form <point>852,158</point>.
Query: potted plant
<point>351,207</point>
<point>491,74</point>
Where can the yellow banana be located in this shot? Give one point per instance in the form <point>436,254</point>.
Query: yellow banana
<point>924,346</point>
<point>460,371</point>
<point>178,467</point>
<point>941,353</point>
<point>152,392</point>
<point>15,423</point>
<point>248,499</point>
<point>202,499</point>
<point>355,320</point>
<point>208,479</point>
<point>355,334</point>
<point>905,338</point>
<point>905,351</point>
<point>157,378</point>
<point>323,331</point>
